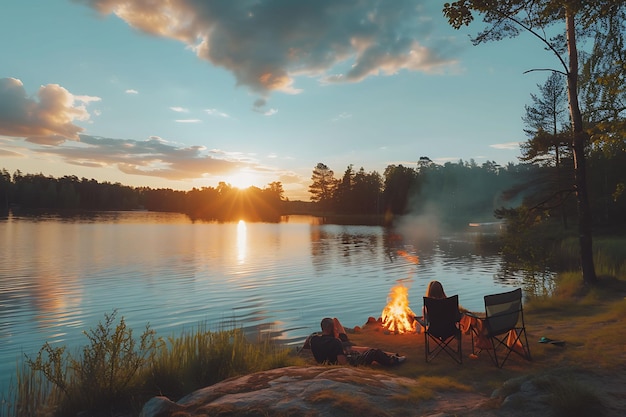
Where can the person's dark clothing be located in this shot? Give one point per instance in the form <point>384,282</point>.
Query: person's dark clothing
<point>325,348</point>
<point>373,355</point>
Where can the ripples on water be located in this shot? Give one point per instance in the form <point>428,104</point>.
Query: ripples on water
<point>59,276</point>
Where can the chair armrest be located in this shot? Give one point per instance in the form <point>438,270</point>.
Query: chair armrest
<point>421,321</point>
<point>474,315</point>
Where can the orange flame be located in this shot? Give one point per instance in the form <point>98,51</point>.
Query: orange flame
<point>397,317</point>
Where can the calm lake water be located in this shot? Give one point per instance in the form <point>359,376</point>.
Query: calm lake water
<point>59,276</point>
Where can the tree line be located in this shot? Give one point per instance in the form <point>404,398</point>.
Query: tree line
<point>457,193</point>
<point>69,193</point>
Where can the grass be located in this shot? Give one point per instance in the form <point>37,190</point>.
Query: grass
<point>609,254</point>
<point>117,371</point>
<point>428,386</point>
<point>567,396</point>
<point>200,358</point>
<point>344,403</point>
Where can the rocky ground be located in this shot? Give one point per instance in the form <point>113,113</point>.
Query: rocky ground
<point>528,388</point>
<point>320,391</point>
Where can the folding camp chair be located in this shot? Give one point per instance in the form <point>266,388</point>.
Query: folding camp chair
<point>442,327</point>
<point>503,326</point>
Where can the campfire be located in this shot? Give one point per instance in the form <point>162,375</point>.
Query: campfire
<point>397,317</point>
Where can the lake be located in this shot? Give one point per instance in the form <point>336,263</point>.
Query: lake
<point>59,276</point>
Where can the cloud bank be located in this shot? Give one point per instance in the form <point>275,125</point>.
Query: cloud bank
<point>152,157</point>
<point>266,43</point>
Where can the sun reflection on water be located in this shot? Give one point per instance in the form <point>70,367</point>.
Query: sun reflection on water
<point>241,241</point>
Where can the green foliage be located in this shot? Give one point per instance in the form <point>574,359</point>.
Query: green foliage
<point>529,238</point>
<point>568,397</point>
<point>201,358</point>
<point>400,183</point>
<point>323,185</point>
<point>609,254</point>
<point>105,370</point>
<point>115,370</point>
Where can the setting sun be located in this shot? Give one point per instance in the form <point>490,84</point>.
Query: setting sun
<point>242,180</point>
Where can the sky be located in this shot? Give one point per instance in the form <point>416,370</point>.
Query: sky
<point>187,93</point>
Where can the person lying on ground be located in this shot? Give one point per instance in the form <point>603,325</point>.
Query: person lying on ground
<point>332,346</point>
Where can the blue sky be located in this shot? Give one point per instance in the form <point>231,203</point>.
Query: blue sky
<point>188,93</point>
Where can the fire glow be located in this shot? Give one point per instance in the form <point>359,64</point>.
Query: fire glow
<point>397,317</point>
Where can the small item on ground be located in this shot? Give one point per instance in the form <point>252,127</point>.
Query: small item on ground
<point>552,341</point>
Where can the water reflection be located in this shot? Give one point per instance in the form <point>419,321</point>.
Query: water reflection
<point>241,241</point>
<point>58,277</point>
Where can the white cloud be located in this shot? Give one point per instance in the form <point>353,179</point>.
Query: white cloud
<point>188,121</point>
<point>179,109</point>
<point>131,91</point>
<point>217,113</point>
<point>341,116</point>
<point>507,146</point>
<point>51,114</point>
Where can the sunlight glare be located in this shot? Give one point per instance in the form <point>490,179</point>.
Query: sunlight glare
<point>242,180</point>
<point>241,241</point>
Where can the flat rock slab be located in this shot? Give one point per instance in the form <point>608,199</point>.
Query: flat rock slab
<point>315,391</point>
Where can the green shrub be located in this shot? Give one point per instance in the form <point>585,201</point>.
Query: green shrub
<point>116,371</point>
<point>103,374</point>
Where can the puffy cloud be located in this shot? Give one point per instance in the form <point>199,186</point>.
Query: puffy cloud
<point>131,91</point>
<point>50,115</point>
<point>266,43</point>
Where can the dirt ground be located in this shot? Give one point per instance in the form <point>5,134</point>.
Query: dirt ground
<point>594,363</point>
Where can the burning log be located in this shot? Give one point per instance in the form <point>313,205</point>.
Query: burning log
<point>397,317</point>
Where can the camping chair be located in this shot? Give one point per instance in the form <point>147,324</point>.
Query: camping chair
<point>442,327</point>
<point>504,327</point>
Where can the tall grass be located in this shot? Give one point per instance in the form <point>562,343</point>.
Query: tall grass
<point>201,357</point>
<point>116,371</point>
<point>570,398</point>
<point>609,255</point>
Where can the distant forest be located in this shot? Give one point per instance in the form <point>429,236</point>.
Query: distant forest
<point>456,193</point>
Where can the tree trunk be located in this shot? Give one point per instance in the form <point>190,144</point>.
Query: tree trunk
<point>580,171</point>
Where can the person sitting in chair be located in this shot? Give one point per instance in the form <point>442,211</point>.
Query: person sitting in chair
<point>333,347</point>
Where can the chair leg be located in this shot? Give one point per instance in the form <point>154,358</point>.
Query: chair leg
<point>444,346</point>
<point>509,344</point>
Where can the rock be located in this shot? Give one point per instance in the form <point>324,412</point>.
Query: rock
<point>159,407</point>
<point>312,391</point>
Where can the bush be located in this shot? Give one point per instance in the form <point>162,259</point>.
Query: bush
<point>104,374</point>
<point>115,372</point>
